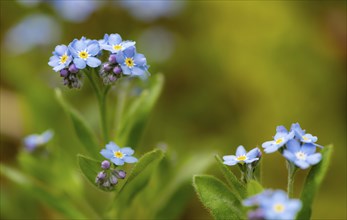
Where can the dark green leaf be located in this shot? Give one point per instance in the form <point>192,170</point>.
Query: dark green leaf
<point>217,198</point>
<point>134,121</point>
<point>253,188</point>
<point>238,188</point>
<point>313,181</point>
<point>83,131</point>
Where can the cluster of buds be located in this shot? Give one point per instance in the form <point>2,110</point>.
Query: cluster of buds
<point>110,71</point>
<point>108,177</point>
<point>71,77</point>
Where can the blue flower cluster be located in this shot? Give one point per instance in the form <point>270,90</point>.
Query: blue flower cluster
<point>33,141</point>
<point>296,146</point>
<point>272,205</point>
<point>242,156</point>
<point>84,54</point>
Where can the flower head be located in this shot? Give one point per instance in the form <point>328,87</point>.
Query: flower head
<point>132,63</point>
<point>114,43</point>
<point>302,155</point>
<point>33,141</point>
<point>302,135</point>
<point>61,58</point>
<point>281,138</point>
<point>118,155</point>
<point>84,52</point>
<point>242,156</point>
<point>273,205</point>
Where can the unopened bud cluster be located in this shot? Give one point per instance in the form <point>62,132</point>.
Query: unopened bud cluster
<point>111,70</point>
<point>108,177</point>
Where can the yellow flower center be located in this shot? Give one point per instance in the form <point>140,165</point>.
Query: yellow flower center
<point>83,54</point>
<point>241,158</point>
<point>117,47</point>
<point>278,207</point>
<point>301,155</point>
<point>129,62</point>
<point>305,138</point>
<point>118,154</point>
<point>279,140</point>
<point>63,58</point>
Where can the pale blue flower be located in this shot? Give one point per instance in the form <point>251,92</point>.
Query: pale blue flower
<point>132,63</point>
<point>303,155</point>
<point>114,43</point>
<point>303,136</point>
<point>33,141</point>
<point>84,52</point>
<point>242,156</point>
<point>281,138</point>
<point>61,58</point>
<point>118,155</point>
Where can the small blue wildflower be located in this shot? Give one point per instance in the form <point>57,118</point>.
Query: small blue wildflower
<point>281,138</point>
<point>114,43</point>
<point>132,63</point>
<point>33,141</point>
<point>273,205</point>
<point>303,136</point>
<point>242,156</point>
<point>118,155</point>
<point>61,58</point>
<point>84,52</point>
<point>302,156</point>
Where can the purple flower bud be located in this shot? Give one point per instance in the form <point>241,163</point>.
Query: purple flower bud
<point>113,180</point>
<point>105,164</point>
<point>121,174</point>
<point>256,215</point>
<point>112,59</point>
<point>101,175</point>
<point>64,73</point>
<point>106,184</point>
<point>107,67</point>
<point>117,70</point>
<point>112,78</point>
<point>73,68</point>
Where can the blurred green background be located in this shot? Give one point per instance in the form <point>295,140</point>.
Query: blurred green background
<point>234,71</point>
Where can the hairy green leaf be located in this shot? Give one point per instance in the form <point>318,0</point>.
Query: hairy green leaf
<point>217,198</point>
<point>134,120</point>
<point>312,183</point>
<point>83,131</point>
<point>253,188</point>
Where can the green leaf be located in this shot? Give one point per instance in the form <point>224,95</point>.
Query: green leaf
<point>313,181</point>
<point>50,196</point>
<point>136,180</point>
<point>134,121</point>
<point>253,188</point>
<point>83,131</point>
<point>217,197</point>
<point>238,188</point>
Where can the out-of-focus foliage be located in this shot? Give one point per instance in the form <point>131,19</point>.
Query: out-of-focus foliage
<point>233,71</point>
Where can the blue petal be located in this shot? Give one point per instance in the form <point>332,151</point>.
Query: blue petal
<point>112,146</point>
<point>129,52</point>
<point>80,63</point>
<point>60,49</point>
<point>47,135</point>
<point>114,39</point>
<point>126,44</point>
<point>293,146</point>
<point>308,148</point>
<point>59,67</point>
<point>302,164</point>
<point>314,158</point>
<point>136,71</point>
<point>120,58</point>
<point>79,45</point>
<point>93,62</point>
<point>294,205</point>
<point>253,153</point>
<point>53,61</point>
<point>127,151</point>
<point>93,48</point>
<point>268,144</point>
<point>229,157</point>
<point>230,162</point>
<point>289,155</point>
<point>270,149</point>
<point>106,153</point>
<point>126,70</point>
<point>117,161</point>
<point>250,160</point>
<point>140,59</point>
<point>297,129</point>
<point>240,151</point>
<point>130,159</point>
<point>73,50</point>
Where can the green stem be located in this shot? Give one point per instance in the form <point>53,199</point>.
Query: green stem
<point>120,105</point>
<point>291,173</point>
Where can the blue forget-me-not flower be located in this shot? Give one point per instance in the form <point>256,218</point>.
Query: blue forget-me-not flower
<point>302,135</point>
<point>114,43</point>
<point>273,205</point>
<point>301,155</point>
<point>61,58</point>
<point>132,63</point>
<point>281,138</point>
<point>33,141</point>
<point>118,155</point>
<point>242,156</point>
<point>84,52</point>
